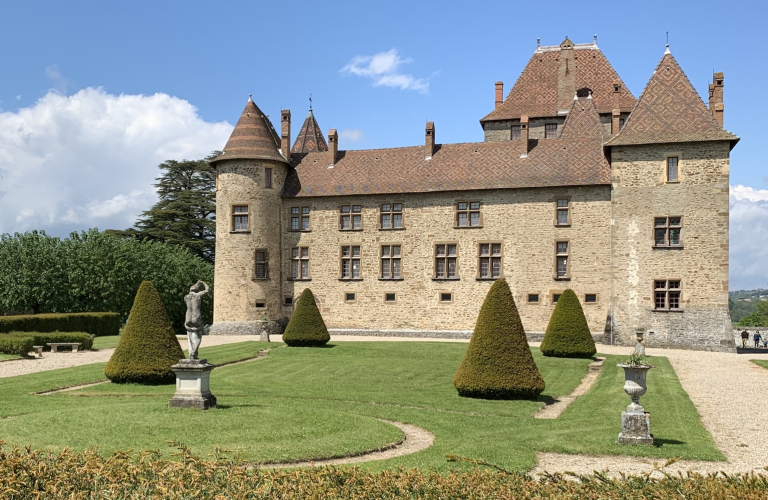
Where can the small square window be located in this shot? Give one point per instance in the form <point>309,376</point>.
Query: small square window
<point>389,297</point>
<point>555,297</point>
<point>590,298</point>
<point>261,305</point>
<point>533,298</point>
<point>288,301</point>
<point>446,297</point>
<point>349,297</point>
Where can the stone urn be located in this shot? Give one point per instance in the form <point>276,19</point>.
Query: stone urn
<point>264,337</point>
<point>639,347</point>
<point>635,422</point>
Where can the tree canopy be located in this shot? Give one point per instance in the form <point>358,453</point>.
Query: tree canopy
<point>757,318</point>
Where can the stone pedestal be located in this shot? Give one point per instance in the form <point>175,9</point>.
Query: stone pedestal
<point>635,428</point>
<point>193,385</point>
<point>640,349</point>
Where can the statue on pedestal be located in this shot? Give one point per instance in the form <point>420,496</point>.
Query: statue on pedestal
<point>194,319</point>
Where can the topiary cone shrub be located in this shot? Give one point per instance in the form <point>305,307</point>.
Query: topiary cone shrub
<point>567,334</point>
<point>148,346</point>
<point>499,363</point>
<point>306,327</point>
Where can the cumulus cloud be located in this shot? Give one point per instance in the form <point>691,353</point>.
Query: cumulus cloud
<point>748,238</point>
<point>352,135</point>
<point>384,69</point>
<point>90,159</point>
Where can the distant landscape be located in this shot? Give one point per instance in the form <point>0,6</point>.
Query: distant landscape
<point>743,303</point>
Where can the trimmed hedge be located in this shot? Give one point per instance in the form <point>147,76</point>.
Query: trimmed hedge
<point>12,344</point>
<point>86,339</point>
<point>499,363</point>
<point>95,323</point>
<point>568,334</point>
<point>148,346</point>
<point>306,327</point>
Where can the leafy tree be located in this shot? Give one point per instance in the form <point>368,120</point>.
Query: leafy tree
<point>568,334</point>
<point>306,327</point>
<point>757,318</point>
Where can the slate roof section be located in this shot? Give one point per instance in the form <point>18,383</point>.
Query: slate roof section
<point>254,138</point>
<point>670,110</point>
<point>583,120</point>
<point>535,91</point>
<point>310,138</point>
<point>453,167</point>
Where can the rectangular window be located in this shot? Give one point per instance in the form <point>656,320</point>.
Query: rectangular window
<point>666,231</point>
<point>489,260</point>
<point>468,214</point>
<point>300,263</point>
<point>288,301</point>
<point>533,298</point>
<point>351,217</point>
<point>299,218</point>
<point>562,252</point>
<point>562,211</point>
<point>515,133</point>
<point>445,261</point>
<point>621,123</point>
<point>672,162</point>
<point>555,297</point>
<point>261,264</point>
<point>350,262</point>
<point>267,177</point>
<point>391,216</point>
<point>550,130</point>
<point>389,297</point>
<point>446,297</point>
<point>349,297</point>
<point>590,298</point>
<point>239,217</point>
<point>390,262</point>
<point>666,295</point>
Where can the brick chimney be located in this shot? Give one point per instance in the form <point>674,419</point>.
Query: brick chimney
<point>499,93</point>
<point>333,145</point>
<point>716,105</point>
<point>429,140</point>
<point>524,131</point>
<point>616,108</point>
<point>566,77</point>
<point>285,133</point>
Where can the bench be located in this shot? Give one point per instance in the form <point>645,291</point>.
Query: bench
<point>38,350</point>
<point>55,345</point>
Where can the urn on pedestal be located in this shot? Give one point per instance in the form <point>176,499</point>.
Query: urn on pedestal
<point>635,422</point>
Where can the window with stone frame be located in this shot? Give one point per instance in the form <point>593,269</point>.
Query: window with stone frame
<point>299,218</point>
<point>667,232</point>
<point>445,261</point>
<point>240,219</point>
<point>350,262</point>
<point>489,261</point>
<point>391,216</point>
<point>666,295</point>
<point>550,130</point>
<point>261,264</point>
<point>300,263</point>
<point>390,262</point>
<point>514,134</point>
<point>673,169</point>
<point>562,260</point>
<point>351,217</point>
<point>267,177</point>
<point>468,214</point>
<point>562,212</point>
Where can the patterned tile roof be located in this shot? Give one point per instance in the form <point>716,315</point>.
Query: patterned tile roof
<point>583,120</point>
<point>254,137</point>
<point>535,92</point>
<point>453,167</point>
<point>670,110</point>
<point>310,138</point>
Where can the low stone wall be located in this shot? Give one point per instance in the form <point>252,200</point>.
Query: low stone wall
<point>751,330</point>
<point>246,328</point>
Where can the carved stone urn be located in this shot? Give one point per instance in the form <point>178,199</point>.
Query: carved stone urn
<point>639,347</point>
<point>635,422</point>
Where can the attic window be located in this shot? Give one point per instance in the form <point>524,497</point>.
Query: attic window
<point>583,92</point>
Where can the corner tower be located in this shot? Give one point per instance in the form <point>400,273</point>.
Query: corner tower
<point>250,175</point>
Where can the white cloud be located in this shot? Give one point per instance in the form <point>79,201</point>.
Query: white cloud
<point>748,237</point>
<point>352,135</point>
<point>384,69</point>
<point>90,159</point>
<point>18,97</point>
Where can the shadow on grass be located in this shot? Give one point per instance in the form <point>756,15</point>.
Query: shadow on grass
<point>548,400</point>
<point>229,407</point>
<point>659,442</point>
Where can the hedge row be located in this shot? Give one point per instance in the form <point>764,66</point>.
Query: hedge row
<point>20,343</point>
<point>95,323</point>
<point>19,346</point>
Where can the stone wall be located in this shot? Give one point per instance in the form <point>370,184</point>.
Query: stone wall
<point>500,131</point>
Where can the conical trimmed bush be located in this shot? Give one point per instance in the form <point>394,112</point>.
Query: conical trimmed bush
<point>148,346</point>
<point>499,363</point>
<point>306,327</point>
<point>567,334</point>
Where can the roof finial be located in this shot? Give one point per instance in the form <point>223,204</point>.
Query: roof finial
<point>538,43</point>
<point>667,50</point>
<point>310,102</point>
<point>250,97</point>
<point>595,38</point>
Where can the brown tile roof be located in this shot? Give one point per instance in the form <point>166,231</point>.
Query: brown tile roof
<point>310,138</point>
<point>453,167</point>
<point>254,137</point>
<point>535,92</point>
<point>670,110</point>
<point>583,120</point>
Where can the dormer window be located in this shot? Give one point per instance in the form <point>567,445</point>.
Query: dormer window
<point>550,130</point>
<point>515,133</point>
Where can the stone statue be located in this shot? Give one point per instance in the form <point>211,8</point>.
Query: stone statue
<point>194,320</point>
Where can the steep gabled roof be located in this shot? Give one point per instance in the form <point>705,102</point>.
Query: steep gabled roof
<point>310,138</point>
<point>535,92</point>
<point>670,110</point>
<point>452,167</point>
<point>583,120</point>
<point>253,138</point>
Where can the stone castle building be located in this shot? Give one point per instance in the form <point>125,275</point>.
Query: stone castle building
<point>578,184</point>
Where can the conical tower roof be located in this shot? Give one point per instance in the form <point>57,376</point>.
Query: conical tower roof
<point>583,120</point>
<point>310,138</point>
<point>670,110</point>
<point>254,137</point>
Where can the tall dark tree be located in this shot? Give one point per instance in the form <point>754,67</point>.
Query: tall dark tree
<point>185,215</point>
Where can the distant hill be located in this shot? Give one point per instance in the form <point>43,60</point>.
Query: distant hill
<point>742,302</point>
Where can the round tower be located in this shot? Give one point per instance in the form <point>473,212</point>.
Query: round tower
<point>250,175</point>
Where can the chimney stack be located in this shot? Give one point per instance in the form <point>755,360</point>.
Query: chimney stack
<point>566,77</point>
<point>616,111</point>
<point>285,133</point>
<point>429,140</point>
<point>499,93</point>
<point>524,131</point>
<point>333,145</point>
<point>716,106</point>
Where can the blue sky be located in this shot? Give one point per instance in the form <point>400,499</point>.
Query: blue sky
<point>95,94</point>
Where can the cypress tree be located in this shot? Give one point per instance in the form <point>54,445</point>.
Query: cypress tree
<point>148,346</point>
<point>306,327</point>
<point>498,363</point>
<point>568,334</point>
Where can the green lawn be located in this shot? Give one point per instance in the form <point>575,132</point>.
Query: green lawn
<point>300,403</point>
<point>107,342</point>
<point>6,357</point>
<point>760,362</point>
